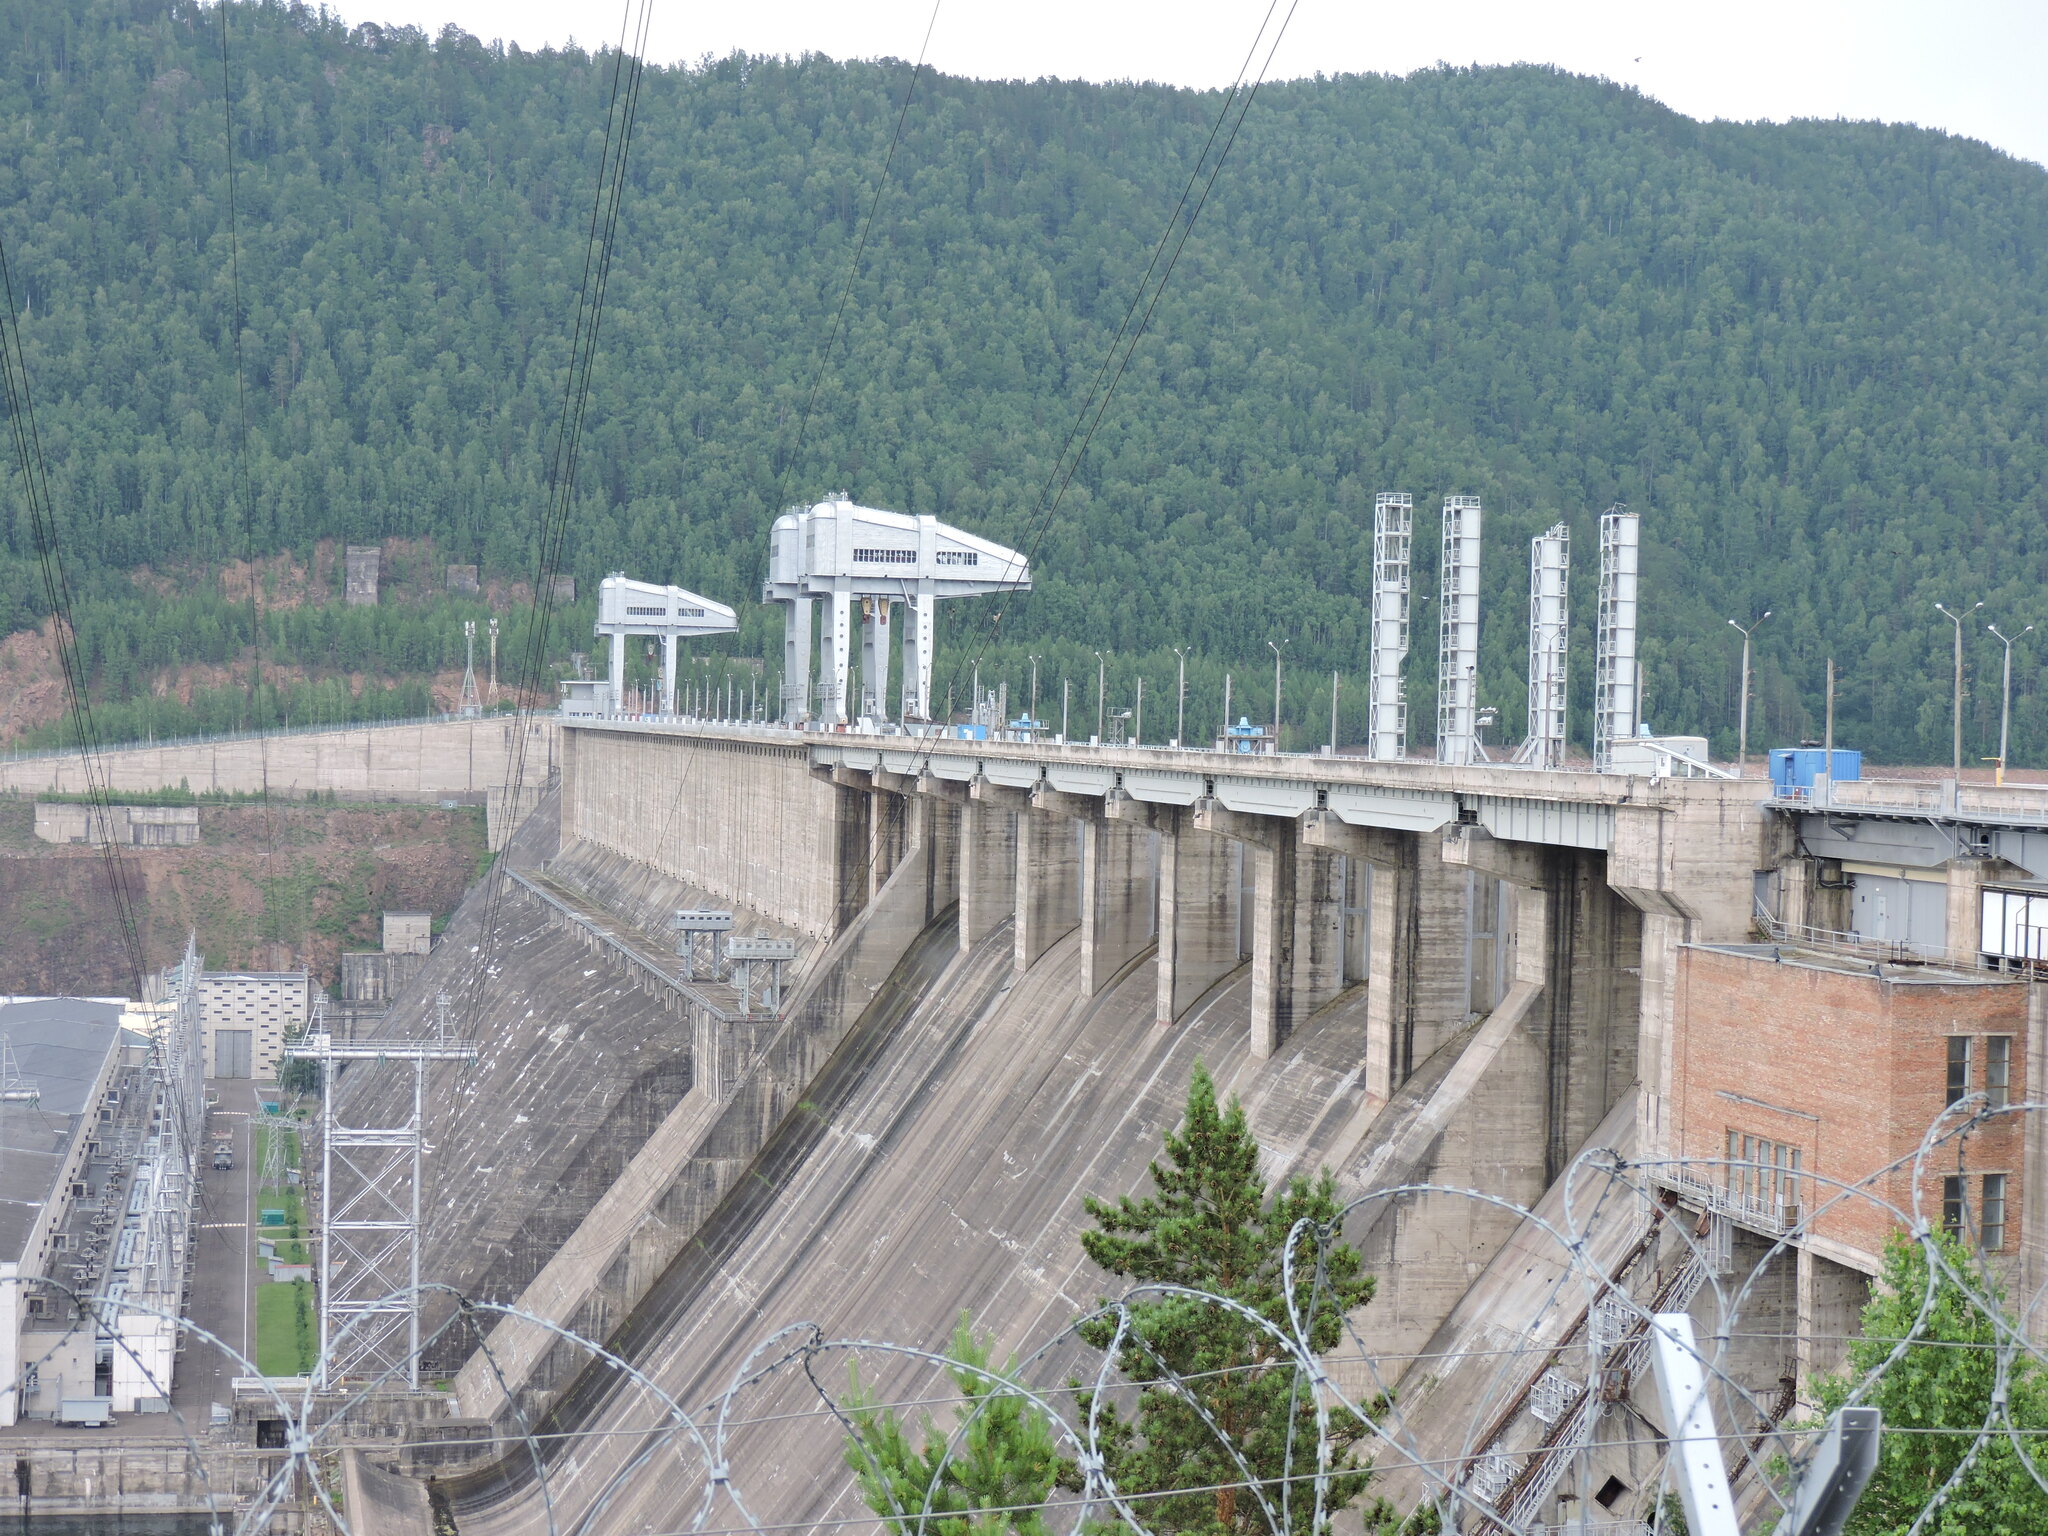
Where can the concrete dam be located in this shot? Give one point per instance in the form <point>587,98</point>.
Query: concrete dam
<point>1009,958</point>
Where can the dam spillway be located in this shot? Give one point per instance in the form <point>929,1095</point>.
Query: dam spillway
<point>1012,956</point>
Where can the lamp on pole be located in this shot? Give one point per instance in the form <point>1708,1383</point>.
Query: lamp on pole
<point>1180,713</point>
<point>1034,693</point>
<point>1957,620</point>
<point>1742,713</point>
<point>2005,694</point>
<point>1275,649</point>
<point>1101,682</point>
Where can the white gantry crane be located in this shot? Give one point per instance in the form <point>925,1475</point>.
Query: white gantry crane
<point>626,607</point>
<point>842,553</point>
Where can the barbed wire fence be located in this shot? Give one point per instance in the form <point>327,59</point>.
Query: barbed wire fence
<point>1488,1462</point>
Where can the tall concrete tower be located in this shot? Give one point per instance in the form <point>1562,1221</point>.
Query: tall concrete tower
<point>1617,687</point>
<point>1393,531</point>
<point>1457,676</point>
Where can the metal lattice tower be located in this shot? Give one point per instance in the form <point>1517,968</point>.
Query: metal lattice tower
<point>1550,571</point>
<point>469,708</point>
<point>1393,532</point>
<point>1617,691</point>
<point>1457,674</point>
<point>370,1233</point>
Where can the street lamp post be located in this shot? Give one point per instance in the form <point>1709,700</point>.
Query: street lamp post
<point>1180,710</point>
<point>1957,712</point>
<point>1275,649</point>
<point>1138,717</point>
<point>1742,713</point>
<point>1101,682</point>
<point>2005,694</point>
<point>1034,695</point>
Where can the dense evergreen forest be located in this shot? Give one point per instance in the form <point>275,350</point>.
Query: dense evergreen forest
<point>1810,355</point>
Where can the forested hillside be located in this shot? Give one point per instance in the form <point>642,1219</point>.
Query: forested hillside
<point>1810,355</point>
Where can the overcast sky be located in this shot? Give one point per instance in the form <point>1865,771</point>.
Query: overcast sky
<point>1973,67</point>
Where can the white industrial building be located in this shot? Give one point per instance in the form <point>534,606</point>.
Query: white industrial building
<point>842,553</point>
<point>626,608</point>
<point>99,1133</point>
<point>246,1017</point>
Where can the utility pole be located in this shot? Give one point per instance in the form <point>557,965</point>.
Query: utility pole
<point>1066,704</point>
<point>1101,682</point>
<point>1138,717</point>
<point>1034,695</point>
<point>1828,745</point>
<point>1180,710</point>
<point>2005,695</point>
<point>1333,714</point>
<point>1957,712</point>
<point>1742,716</point>
<point>1275,649</point>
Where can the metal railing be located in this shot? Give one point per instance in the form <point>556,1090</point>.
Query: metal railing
<point>1921,797</point>
<point>1772,1214</point>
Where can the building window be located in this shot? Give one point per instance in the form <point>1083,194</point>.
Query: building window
<point>884,556</point>
<point>1958,1067</point>
<point>958,557</point>
<point>1994,1212</point>
<point>1763,1178</point>
<point>1998,1070</point>
<point>37,1306</point>
<point>1953,1214</point>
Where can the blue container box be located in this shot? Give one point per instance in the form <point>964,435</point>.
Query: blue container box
<point>1793,769</point>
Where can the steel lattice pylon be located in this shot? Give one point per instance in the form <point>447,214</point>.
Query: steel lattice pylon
<point>369,1234</point>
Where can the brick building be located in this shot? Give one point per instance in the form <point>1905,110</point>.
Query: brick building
<point>1803,1084</point>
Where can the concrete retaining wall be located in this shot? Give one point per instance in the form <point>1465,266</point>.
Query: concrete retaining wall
<point>748,821</point>
<point>87,1473</point>
<point>437,759</point>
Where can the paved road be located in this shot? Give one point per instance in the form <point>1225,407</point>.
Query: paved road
<point>223,1269</point>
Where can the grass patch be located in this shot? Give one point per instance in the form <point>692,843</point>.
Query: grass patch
<point>284,1328</point>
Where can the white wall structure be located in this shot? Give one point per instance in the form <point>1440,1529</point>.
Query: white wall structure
<point>626,607</point>
<point>1617,690</point>
<point>1393,531</point>
<point>246,1017</point>
<point>1457,675</point>
<point>1550,571</point>
<point>842,553</point>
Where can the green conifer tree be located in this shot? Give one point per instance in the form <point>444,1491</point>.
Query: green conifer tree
<point>990,1482</point>
<point>1208,1226</point>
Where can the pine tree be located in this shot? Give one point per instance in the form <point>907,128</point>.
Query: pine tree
<point>988,1483</point>
<point>1936,1398</point>
<point>1208,1226</point>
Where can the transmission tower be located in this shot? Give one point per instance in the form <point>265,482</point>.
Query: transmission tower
<point>469,707</point>
<point>494,661</point>
<point>370,1233</point>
